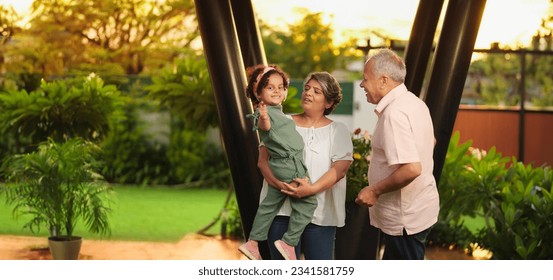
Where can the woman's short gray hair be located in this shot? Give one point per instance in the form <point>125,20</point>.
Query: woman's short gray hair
<point>330,86</point>
<point>387,62</point>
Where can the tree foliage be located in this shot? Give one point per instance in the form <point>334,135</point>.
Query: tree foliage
<point>305,47</point>
<point>137,35</point>
<point>498,77</point>
<point>186,90</point>
<point>541,67</point>
<point>8,26</point>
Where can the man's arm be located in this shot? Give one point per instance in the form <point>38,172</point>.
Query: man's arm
<point>400,178</point>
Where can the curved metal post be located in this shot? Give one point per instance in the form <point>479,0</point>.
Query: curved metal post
<point>449,71</point>
<point>421,40</point>
<point>251,45</point>
<point>253,53</point>
<point>227,72</point>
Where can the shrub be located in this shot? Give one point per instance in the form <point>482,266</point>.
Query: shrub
<point>59,110</point>
<point>231,223</point>
<point>520,216</point>
<point>130,156</point>
<point>514,200</point>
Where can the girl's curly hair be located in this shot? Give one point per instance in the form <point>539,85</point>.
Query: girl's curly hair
<point>258,78</point>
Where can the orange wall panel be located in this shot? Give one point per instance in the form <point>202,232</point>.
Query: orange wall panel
<point>538,134</point>
<point>488,129</point>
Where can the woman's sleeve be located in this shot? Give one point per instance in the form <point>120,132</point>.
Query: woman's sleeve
<point>342,147</point>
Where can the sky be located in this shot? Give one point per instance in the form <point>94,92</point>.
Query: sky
<point>509,22</point>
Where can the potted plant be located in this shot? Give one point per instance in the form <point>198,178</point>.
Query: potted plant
<point>57,186</point>
<point>357,239</point>
<point>357,173</point>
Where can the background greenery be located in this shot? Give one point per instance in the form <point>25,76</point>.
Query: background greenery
<point>513,203</point>
<point>144,213</point>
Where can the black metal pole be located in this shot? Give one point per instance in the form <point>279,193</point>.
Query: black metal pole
<point>449,70</point>
<point>227,73</point>
<point>253,53</point>
<point>251,45</point>
<point>421,40</point>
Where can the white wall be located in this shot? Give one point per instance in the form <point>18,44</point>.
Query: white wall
<point>363,112</point>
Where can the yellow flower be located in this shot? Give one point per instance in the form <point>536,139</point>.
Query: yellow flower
<point>357,172</point>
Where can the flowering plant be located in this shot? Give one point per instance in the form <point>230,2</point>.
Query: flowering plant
<point>356,177</point>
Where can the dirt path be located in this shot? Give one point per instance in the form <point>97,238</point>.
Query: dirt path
<point>191,247</point>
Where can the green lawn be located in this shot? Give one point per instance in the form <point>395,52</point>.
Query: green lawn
<point>144,213</point>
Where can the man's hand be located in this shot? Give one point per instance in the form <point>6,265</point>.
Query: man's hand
<point>367,197</point>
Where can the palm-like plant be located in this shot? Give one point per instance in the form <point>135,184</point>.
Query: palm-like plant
<point>56,186</point>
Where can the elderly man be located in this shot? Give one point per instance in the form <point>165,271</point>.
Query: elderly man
<point>402,193</point>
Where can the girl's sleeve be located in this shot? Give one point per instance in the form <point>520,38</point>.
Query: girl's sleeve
<point>341,147</point>
<point>255,118</point>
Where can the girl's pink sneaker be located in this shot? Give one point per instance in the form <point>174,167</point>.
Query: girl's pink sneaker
<point>250,250</point>
<point>287,251</point>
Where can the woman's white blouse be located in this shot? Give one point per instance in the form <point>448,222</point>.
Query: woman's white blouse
<point>323,146</point>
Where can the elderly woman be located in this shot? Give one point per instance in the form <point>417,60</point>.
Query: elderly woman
<point>328,155</point>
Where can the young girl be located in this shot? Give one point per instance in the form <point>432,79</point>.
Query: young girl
<point>267,88</point>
